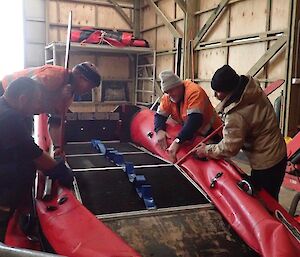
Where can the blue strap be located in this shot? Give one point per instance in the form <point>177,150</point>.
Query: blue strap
<point>98,145</point>
<point>129,170</point>
<point>142,187</point>
<point>144,191</point>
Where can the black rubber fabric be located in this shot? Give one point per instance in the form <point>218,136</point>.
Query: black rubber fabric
<point>82,148</point>
<point>87,148</point>
<point>99,189</point>
<point>100,161</point>
<point>122,147</point>
<point>85,162</point>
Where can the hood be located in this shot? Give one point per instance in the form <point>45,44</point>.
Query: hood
<point>251,93</point>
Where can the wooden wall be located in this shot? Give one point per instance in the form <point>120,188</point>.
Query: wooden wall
<point>240,36</point>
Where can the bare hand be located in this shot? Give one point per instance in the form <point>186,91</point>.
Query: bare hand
<point>58,152</point>
<point>172,150</point>
<point>200,151</point>
<point>161,137</point>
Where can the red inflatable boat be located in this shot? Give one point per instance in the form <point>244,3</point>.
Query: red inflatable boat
<point>185,211</point>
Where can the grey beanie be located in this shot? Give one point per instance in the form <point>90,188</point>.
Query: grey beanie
<point>169,80</point>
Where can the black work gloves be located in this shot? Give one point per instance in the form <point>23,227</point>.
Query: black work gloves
<point>62,173</point>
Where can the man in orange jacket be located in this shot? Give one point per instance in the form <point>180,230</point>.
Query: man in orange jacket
<point>58,86</point>
<point>187,104</point>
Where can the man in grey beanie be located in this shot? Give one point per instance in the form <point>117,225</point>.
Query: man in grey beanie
<point>187,104</point>
<point>251,125</point>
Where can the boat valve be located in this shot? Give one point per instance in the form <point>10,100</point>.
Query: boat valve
<point>150,134</point>
<point>245,186</point>
<point>214,180</point>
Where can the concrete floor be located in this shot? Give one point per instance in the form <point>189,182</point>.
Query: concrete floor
<point>285,196</point>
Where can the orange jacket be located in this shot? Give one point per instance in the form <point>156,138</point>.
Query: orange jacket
<point>53,80</point>
<point>195,101</point>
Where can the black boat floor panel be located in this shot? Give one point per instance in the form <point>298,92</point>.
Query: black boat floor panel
<point>82,148</point>
<point>87,148</point>
<point>85,162</point>
<point>122,147</point>
<point>99,189</point>
<point>193,233</point>
<point>100,161</point>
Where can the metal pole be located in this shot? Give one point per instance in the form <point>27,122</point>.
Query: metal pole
<point>19,252</point>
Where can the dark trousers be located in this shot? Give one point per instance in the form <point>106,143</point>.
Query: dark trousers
<point>4,218</point>
<point>270,179</point>
<point>1,89</point>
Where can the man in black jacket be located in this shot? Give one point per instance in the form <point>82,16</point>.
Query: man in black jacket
<point>19,155</point>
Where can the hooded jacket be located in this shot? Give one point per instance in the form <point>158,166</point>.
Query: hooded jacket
<point>250,124</point>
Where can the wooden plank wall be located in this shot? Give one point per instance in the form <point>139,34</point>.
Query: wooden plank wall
<point>243,18</point>
<point>158,35</point>
<point>98,14</point>
<point>239,19</point>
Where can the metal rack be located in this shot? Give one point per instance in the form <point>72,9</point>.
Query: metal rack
<point>144,62</point>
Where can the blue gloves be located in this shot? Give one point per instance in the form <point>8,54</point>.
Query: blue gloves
<point>62,173</point>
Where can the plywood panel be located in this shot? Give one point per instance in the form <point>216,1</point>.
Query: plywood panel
<point>180,26</point>
<point>165,62</point>
<point>204,4</point>
<point>53,35</point>
<point>150,36</point>
<point>179,12</point>
<point>75,59</point>
<point>108,17</point>
<point>62,34</point>
<point>248,17</point>
<point>168,9</point>
<point>114,67</point>
<point>243,57</point>
<point>52,11</point>
<point>148,18</point>
<point>165,40</point>
<point>209,61</point>
<point>219,28</point>
<point>277,65</point>
<point>207,88</point>
<point>83,14</point>
<point>279,14</point>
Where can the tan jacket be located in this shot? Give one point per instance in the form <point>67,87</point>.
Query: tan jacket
<point>250,124</point>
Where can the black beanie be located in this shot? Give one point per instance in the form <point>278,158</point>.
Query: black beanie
<point>90,72</point>
<point>225,79</point>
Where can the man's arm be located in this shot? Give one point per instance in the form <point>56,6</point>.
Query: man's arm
<point>190,127</point>
<point>159,122</point>
<point>55,130</point>
<point>160,129</point>
<point>234,133</point>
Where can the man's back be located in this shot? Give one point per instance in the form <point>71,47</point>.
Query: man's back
<point>264,144</point>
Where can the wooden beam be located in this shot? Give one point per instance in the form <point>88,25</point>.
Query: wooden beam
<point>292,89</point>
<point>165,20</point>
<point>121,12</point>
<point>209,22</point>
<point>137,18</point>
<point>181,4</point>
<point>280,42</point>
<point>189,34</point>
